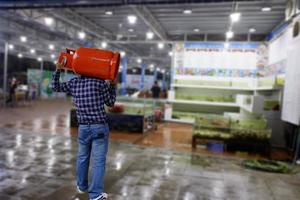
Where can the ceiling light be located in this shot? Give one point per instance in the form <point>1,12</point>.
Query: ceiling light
<point>11,47</point>
<point>187,12</point>
<point>158,69</point>
<point>226,45</point>
<point>170,53</point>
<point>229,34</point>
<point>48,21</point>
<point>133,70</point>
<point>81,35</point>
<point>130,30</point>
<point>54,62</point>
<point>20,55</point>
<point>39,59</point>
<point>139,60</point>
<point>235,17</point>
<point>163,71</point>
<point>151,66</point>
<point>23,39</point>
<point>131,19</point>
<point>252,30</point>
<point>103,45</point>
<point>266,9</point>
<point>32,51</point>
<point>51,46</point>
<point>149,35</point>
<point>196,30</point>
<point>160,45</point>
<point>123,53</point>
<point>52,56</point>
<point>109,12</point>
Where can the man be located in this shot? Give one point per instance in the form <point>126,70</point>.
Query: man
<point>12,92</point>
<point>155,90</point>
<point>89,96</point>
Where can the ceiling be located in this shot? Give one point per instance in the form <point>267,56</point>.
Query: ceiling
<point>164,18</point>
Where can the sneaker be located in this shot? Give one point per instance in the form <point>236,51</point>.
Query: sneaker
<point>103,196</point>
<point>80,191</point>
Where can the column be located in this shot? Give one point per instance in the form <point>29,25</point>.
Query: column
<point>124,73</point>
<point>143,67</point>
<point>5,72</point>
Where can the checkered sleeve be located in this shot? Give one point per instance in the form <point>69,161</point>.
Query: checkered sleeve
<point>58,86</point>
<point>109,93</point>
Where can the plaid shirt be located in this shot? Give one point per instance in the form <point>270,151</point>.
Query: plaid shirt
<point>89,96</point>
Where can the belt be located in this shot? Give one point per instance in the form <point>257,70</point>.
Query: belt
<point>90,123</point>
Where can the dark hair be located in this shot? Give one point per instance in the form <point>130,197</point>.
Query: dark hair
<point>155,82</point>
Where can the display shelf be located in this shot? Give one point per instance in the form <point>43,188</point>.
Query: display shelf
<point>184,121</point>
<point>203,103</point>
<point>262,88</point>
<point>210,87</point>
<point>250,103</point>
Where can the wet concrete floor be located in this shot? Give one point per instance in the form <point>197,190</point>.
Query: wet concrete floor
<point>42,166</point>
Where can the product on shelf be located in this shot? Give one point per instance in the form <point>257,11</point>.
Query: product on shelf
<point>257,124</point>
<point>219,127</point>
<point>203,82</point>
<point>271,105</point>
<point>116,108</point>
<point>215,98</point>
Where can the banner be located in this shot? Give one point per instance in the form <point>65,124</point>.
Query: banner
<point>134,81</point>
<point>40,82</point>
<point>212,59</point>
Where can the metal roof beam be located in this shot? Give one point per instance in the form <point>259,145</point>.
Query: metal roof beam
<point>145,14</point>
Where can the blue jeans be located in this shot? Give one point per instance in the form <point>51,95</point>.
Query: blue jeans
<point>92,140</point>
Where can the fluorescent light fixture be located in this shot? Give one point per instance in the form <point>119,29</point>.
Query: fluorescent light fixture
<point>151,66</point>
<point>266,9</point>
<point>139,60</point>
<point>51,46</point>
<point>109,12</point>
<point>81,35</point>
<point>11,46</point>
<point>32,51</point>
<point>23,38</point>
<point>158,69</point>
<point>170,53</point>
<point>130,30</point>
<point>131,19</point>
<point>39,59</point>
<point>226,45</point>
<point>235,17</point>
<point>160,45</point>
<point>20,55</point>
<point>123,53</point>
<point>229,34</point>
<point>252,30</point>
<point>149,35</point>
<point>104,44</point>
<point>196,30</point>
<point>48,21</point>
<point>52,56</point>
<point>187,11</point>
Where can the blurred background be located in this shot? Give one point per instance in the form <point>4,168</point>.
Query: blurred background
<point>208,93</point>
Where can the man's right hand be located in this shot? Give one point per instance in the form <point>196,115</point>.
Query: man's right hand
<point>59,66</point>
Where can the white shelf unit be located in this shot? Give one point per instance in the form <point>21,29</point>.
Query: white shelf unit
<point>204,103</point>
<point>257,89</point>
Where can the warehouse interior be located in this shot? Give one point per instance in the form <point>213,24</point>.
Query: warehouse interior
<point>207,98</point>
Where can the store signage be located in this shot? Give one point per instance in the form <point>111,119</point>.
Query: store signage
<point>212,59</point>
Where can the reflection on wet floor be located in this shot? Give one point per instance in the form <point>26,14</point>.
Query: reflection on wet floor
<point>168,135</point>
<point>42,166</point>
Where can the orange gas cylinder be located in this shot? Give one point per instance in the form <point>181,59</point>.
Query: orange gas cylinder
<point>91,62</point>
